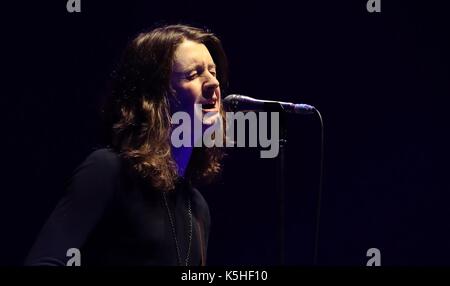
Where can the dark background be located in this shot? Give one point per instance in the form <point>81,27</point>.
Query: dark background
<point>380,80</point>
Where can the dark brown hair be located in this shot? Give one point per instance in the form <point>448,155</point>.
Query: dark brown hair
<point>138,110</point>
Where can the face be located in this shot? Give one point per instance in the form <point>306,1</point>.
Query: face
<point>194,80</point>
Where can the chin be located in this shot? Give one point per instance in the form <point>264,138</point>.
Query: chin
<point>210,116</point>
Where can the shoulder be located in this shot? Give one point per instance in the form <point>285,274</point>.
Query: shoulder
<point>104,156</point>
<point>102,161</point>
<point>99,170</point>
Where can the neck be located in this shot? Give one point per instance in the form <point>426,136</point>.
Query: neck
<point>182,157</point>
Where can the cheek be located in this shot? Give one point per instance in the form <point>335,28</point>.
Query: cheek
<point>189,94</point>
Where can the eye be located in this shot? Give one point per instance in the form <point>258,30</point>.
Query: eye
<point>192,76</point>
<point>213,72</point>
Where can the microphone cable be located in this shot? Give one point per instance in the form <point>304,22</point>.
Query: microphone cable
<point>319,192</point>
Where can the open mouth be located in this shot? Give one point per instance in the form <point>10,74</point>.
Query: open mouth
<point>208,106</point>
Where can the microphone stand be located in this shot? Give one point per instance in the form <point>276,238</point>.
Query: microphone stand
<point>280,179</point>
<point>281,184</point>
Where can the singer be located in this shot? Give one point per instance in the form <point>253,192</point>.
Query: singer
<point>134,201</point>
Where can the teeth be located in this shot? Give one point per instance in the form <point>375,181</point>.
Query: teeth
<point>208,105</point>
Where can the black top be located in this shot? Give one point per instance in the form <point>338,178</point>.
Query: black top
<point>115,218</point>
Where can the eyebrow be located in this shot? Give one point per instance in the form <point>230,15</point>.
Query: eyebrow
<point>194,66</point>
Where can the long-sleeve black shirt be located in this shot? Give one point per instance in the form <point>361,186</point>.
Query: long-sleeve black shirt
<point>116,218</point>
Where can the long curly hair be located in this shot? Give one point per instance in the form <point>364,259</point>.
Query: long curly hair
<point>138,110</point>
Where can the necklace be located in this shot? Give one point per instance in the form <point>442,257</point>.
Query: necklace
<point>174,233</point>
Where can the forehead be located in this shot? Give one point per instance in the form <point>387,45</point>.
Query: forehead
<point>189,54</point>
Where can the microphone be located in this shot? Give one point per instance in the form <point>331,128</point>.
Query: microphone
<point>236,102</point>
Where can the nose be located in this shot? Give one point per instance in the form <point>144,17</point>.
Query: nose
<point>210,86</point>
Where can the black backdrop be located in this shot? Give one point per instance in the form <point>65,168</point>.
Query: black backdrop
<point>380,80</point>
